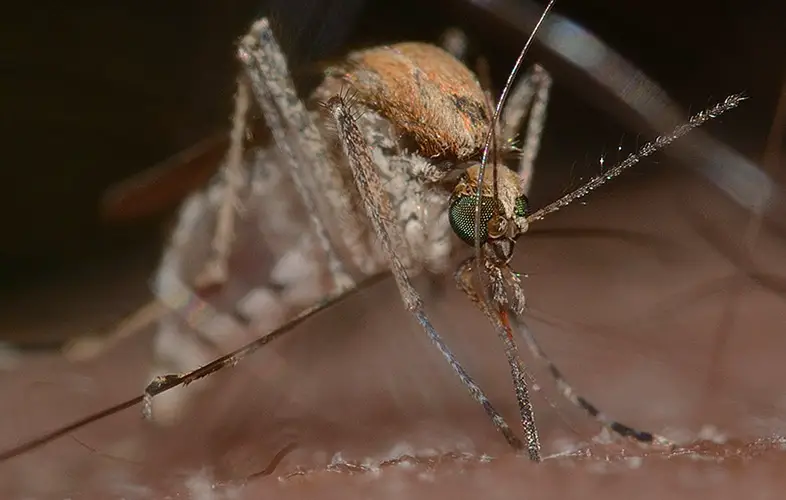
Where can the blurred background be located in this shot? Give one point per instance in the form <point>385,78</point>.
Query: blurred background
<point>93,94</point>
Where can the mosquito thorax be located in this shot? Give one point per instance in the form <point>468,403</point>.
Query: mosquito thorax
<point>423,115</point>
<point>425,92</point>
<point>503,210</point>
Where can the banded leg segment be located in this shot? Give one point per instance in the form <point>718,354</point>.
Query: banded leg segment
<point>571,395</point>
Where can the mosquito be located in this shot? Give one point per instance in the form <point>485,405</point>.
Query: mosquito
<point>406,132</point>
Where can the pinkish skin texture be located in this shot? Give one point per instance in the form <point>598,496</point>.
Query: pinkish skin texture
<point>361,384</point>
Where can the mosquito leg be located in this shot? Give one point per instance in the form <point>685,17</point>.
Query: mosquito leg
<point>215,270</point>
<point>570,394</point>
<point>305,188</point>
<point>192,328</point>
<point>190,337</point>
<point>379,211</point>
<point>166,383</point>
<point>529,99</point>
<point>185,339</point>
<point>464,280</point>
<point>302,144</point>
<point>86,348</point>
<point>188,247</point>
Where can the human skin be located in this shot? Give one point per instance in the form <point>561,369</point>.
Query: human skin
<point>625,293</point>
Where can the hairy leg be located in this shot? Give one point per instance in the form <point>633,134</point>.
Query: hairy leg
<point>322,189</point>
<point>215,270</point>
<point>378,209</point>
<point>528,100</point>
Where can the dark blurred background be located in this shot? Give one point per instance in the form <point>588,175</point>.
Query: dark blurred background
<point>94,93</point>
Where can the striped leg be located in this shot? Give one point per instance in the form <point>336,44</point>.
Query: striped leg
<point>570,394</point>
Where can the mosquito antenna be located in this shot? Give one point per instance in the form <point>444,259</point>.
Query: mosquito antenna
<point>167,382</point>
<point>500,105</point>
<point>648,149</point>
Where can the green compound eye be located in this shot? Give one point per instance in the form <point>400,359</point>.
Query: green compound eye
<point>462,217</point>
<point>522,206</point>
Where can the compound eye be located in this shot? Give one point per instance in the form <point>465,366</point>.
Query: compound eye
<point>461,214</point>
<point>522,206</point>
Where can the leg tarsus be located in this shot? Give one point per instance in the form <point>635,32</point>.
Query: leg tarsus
<point>215,270</point>
<point>298,138</point>
<point>570,394</point>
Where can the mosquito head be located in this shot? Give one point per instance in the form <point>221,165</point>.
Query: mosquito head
<point>503,211</point>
